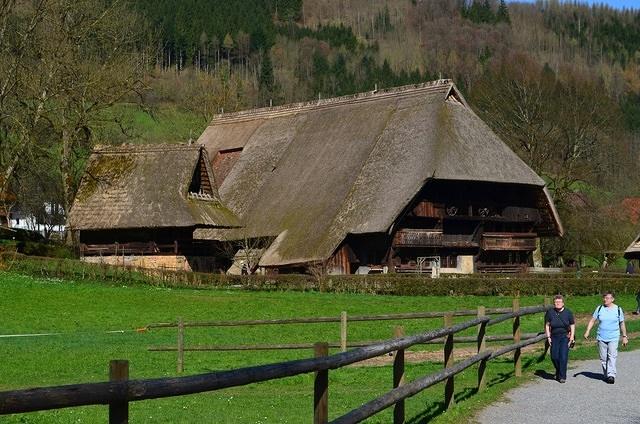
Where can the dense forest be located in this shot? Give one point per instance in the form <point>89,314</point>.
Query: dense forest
<point>559,82</point>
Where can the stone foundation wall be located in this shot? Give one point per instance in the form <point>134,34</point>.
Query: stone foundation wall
<point>169,262</point>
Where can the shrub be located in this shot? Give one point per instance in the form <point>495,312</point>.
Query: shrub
<point>388,284</point>
<point>51,250</point>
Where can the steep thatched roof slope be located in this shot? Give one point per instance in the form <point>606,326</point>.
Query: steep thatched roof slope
<point>633,251</point>
<point>313,173</point>
<point>146,186</point>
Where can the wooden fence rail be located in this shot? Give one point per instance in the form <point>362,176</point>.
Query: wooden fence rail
<point>303,346</point>
<point>343,319</point>
<point>315,320</point>
<point>118,392</point>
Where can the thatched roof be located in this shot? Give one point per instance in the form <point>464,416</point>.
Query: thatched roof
<point>135,186</point>
<point>633,251</point>
<point>311,173</point>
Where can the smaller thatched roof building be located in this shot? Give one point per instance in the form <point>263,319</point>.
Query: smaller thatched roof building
<point>156,187</point>
<point>633,251</point>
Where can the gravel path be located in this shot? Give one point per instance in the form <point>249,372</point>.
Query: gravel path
<point>583,399</point>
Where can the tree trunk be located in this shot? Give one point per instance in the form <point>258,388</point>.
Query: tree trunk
<point>67,186</point>
<point>537,254</point>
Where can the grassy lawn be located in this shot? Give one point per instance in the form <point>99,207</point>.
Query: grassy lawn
<point>85,313</point>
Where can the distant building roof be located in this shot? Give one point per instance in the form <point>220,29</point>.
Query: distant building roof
<point>311,173</point>
<point>633,251</point>
<point>136,186</point>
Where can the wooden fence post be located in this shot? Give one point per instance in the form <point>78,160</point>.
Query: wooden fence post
<point>180,367</point>
<point>398,377</point>
<point>119,411</point>
<point>448,362</point>
<point>547,303</point>
<point>517,359</point>
<point>321,388</point>
<point>343,331</point>
<point>482,345</point>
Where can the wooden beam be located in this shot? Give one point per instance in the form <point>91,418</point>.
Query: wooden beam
<point>321,388</point>
<point>180,365</point>
<point>482,345</point>
<point>449,400</point>
<point>119,410</point>
<point>517,359</point>
<point>343,331</point>
<point>398,378</point>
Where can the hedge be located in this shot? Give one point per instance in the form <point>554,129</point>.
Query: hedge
<point>389,284</point>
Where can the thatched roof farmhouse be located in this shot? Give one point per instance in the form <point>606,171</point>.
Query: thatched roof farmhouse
<point>378,179</point>
<point>147,200</point>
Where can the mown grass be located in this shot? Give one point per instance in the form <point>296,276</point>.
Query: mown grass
<point>84,312</point>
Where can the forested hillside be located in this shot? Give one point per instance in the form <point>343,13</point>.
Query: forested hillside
<point>559,82</point>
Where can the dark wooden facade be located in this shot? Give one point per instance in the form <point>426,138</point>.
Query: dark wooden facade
<point>495,224</point>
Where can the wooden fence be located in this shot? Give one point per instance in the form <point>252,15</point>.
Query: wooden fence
<point>343,319</point>
<point>118,392</point>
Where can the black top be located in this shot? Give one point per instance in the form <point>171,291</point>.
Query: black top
<point>559,321</point>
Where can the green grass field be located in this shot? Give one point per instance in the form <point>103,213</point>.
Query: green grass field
<point>85,312</point>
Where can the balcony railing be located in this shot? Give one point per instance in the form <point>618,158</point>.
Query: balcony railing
<point>460,240</point>
<point>133,248</point>
<point>509,241</point>
<point>409,237</point>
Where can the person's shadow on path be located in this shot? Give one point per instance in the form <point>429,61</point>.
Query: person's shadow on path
<point>545,375</point>
<point>589,374</point>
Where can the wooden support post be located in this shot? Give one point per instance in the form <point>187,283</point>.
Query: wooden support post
<point>343,331</point>
<point>517,359</point>
<point>119,411</point>
<point>398,377</point>
<point>180,367</point>
<point>547,302</point>
<point>448,362</point>
<point>482,345</point>
<point>321,388</point>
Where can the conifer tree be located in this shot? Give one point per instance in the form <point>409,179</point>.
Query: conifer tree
<point>503,13</point>
<point>266,80</point>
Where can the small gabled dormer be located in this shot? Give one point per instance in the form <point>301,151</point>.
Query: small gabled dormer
<point>202,184</point>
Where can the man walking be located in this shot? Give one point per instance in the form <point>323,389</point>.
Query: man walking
<point>610,319</point>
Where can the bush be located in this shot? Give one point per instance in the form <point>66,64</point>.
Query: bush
<point>388,284</point>
<point>20,234</point>
<point>50,250</point>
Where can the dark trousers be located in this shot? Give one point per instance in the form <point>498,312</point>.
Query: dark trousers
<point>560,355</point>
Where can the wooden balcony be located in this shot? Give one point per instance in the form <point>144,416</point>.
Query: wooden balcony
<point>133,248</point>
<point>460,240</point>
<point>409,237</point>
<point>509,241</point>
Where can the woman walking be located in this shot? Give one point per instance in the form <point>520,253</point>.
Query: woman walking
<point>610,319</point>
<point>560,328</point>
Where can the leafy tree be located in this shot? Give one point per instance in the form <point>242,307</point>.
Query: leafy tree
<point>75,60</point>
